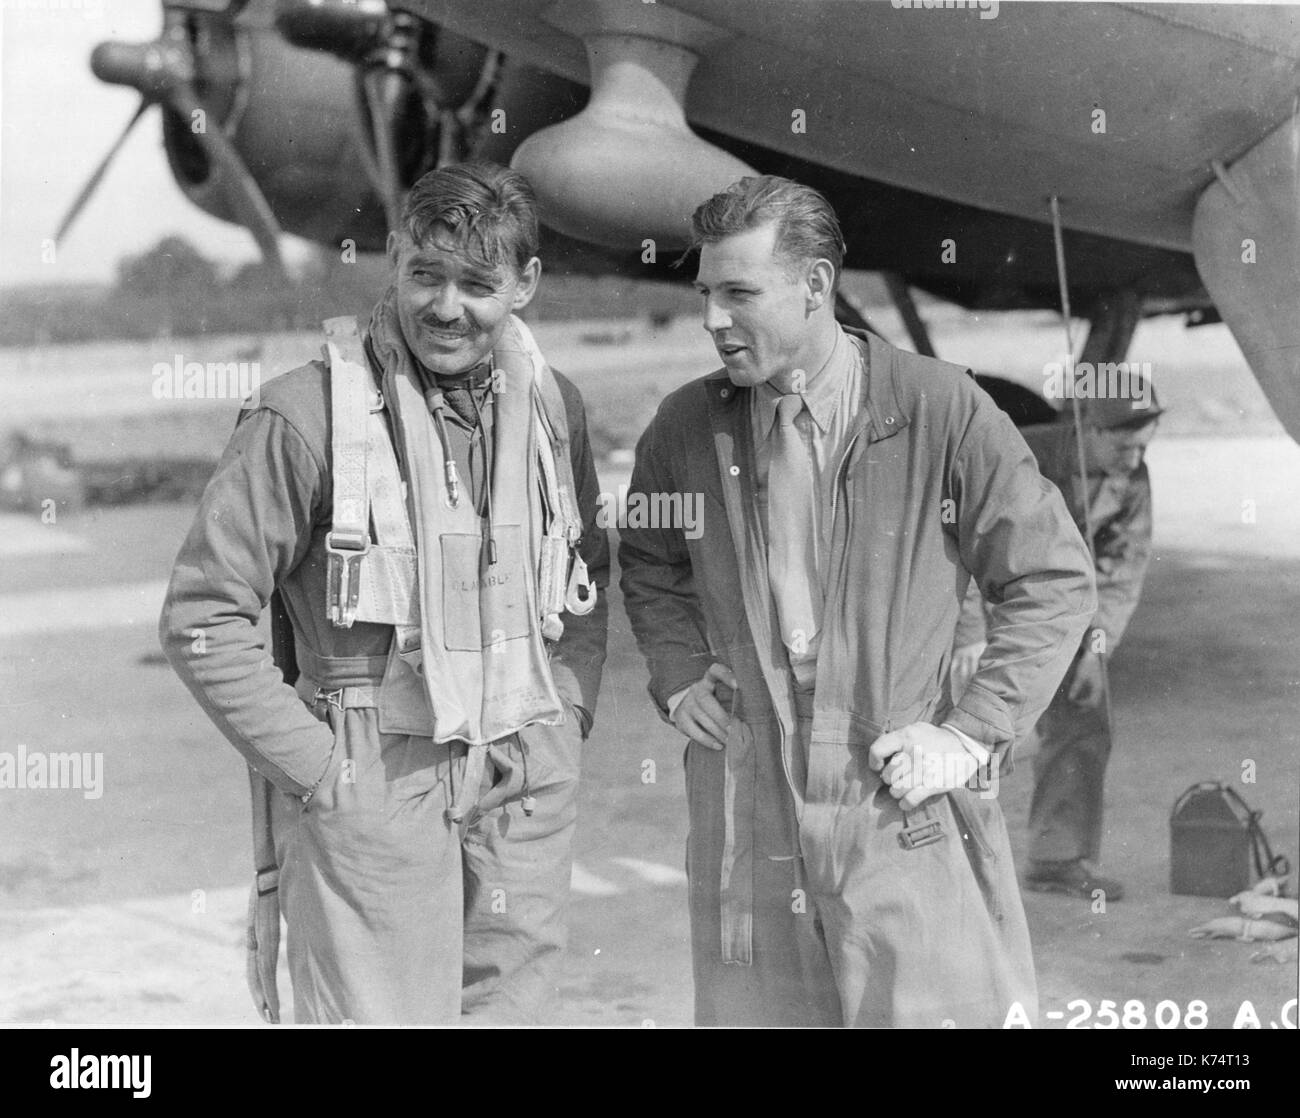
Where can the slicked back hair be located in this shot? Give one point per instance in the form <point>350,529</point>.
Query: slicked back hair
<point>489,211</point>
<point>806,226</point>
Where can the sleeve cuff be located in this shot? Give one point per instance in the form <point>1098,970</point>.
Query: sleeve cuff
<point>674,700</point>
<point>974,748</point>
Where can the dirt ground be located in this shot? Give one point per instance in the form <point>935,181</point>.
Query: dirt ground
<point>128,907</point>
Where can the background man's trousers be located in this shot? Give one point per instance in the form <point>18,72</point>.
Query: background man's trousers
<point>392,909</point>
<point>1069,769</point>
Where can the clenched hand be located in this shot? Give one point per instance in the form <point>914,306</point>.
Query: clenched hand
<point>920,761</point>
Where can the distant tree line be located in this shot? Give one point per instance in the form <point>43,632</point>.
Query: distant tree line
<point>173,290</point>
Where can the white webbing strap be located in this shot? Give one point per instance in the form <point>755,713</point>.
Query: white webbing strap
<point>561,491</point>
<point>388,573</point>
<point>387,501</point>
<point>349,536</point>
<point>373,582</point>
<point>553,565</point>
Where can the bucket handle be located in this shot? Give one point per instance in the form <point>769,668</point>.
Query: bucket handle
<point>1203,786</point>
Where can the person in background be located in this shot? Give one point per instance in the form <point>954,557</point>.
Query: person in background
<point>1073,736</point>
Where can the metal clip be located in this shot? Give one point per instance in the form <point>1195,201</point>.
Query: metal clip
<point>920,834</point>
<point>580,597</point>
<point>332,698</point>
<point>268,880</point>
<point>343,574</point>
<point>413,658</point>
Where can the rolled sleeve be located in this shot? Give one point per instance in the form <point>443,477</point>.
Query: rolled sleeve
<point>1016,537</point>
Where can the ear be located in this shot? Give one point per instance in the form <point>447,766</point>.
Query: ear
<point>529,277</point>
<point>394,249</point>
<point>821,283</point>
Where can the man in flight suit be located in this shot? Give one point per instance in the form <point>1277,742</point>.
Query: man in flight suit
<point>423,770</point>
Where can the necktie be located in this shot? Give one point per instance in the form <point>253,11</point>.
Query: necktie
<point>791,551</point>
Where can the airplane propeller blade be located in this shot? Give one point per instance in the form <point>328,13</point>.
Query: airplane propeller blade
<point>164,71</point>
<point>245,195</point>
<point>91,183</point>
<point>384,91</point>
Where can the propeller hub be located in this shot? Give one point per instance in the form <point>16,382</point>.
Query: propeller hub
<point>155,69</point>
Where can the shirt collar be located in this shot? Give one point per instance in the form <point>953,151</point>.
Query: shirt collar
<point>475,378</point>
<point>821,396</point>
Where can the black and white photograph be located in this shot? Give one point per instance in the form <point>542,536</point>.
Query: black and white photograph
<point>650,514</point>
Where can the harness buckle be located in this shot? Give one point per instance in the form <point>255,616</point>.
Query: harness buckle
<point>332,698</point>
<point>343,574</point>
<point>267,880</point>
<point>347,541</point>
<point>920,834</point>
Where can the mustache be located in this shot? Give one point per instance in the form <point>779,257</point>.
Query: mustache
<point>433,322</point>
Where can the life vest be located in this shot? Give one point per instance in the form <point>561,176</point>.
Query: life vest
<point>374,579</point>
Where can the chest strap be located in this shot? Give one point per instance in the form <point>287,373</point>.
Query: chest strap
<point>366,581</point>
<point>564,583</point>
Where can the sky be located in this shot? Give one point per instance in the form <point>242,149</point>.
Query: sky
<point>57,121</point>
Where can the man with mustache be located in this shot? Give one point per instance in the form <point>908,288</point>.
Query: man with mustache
<point>841,871</point>
<point>420,512</point>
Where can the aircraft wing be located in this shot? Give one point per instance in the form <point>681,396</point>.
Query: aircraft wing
<point>996,113</point>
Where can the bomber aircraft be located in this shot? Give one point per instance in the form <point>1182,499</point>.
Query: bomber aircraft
<point>1160,139</point>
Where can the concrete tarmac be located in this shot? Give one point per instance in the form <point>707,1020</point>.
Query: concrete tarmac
<point>128,906</point>
<point>125,904</point>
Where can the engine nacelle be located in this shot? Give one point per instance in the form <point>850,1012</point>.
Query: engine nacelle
<point>628,168</point>
<point>291,113</point>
